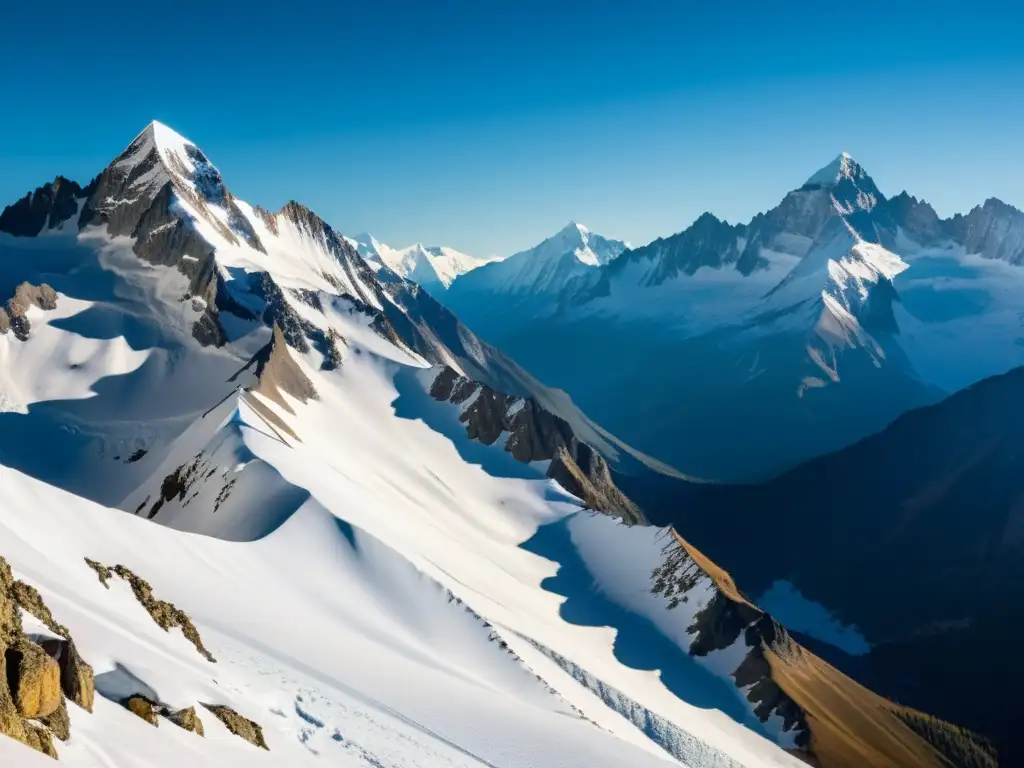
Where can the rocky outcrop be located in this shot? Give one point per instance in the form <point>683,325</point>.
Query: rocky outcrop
<point>14,316</point>
<point>916,218</point>
<point>36,674</point>
<point>277,373</point>
<point>242,727</point>
<point>832,720</point>
<point>535,434</point>
<point>186,719</point>
<point>165,614</point>
<point>708,242</point>
<point>995,230</point>
<point>142,708</point>
<point>34,678</point>
<point>76,676</point>
<point>47,207</point>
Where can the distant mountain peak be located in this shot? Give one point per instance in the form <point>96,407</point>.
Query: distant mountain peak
<point>843,167</point>
<point>574,227</point>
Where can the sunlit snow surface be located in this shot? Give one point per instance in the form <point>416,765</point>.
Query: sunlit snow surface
<point>322,551</point>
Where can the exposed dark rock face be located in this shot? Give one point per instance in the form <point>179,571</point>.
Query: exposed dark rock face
<point>535,435</point>
<point>165,614</point>
<point>242,727</point>
<point>178,483</point>
<point>916,218</point>
<point>297,332</point>
<point>13,317</point>
<point>708,242</point>
<point>139,194</point>
<point>46,208</point>
<point>995,230</point>
<point>728,619</point>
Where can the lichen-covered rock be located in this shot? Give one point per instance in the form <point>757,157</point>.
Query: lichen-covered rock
<point>185,718</point>
<point>10,617</point>
<point>28,597</point>
<point>77,678</point>
<point>103,571</point>
<point>59,722</point>
<point>34,680</point>
<point>76,675</point>
<point>15,315</point>
<point>11,723</point>
<point>165,614</point>
<point>40,740</point>
<point>242,727</point>
<point>142,708</point>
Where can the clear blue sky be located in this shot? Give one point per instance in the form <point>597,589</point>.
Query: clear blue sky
<point>487,125</point>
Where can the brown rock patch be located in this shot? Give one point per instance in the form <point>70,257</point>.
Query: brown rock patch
<point>242,727</point>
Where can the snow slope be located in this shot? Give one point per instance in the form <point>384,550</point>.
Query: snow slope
<point>346,551</point>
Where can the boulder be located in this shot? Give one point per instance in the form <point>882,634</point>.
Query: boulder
<point>11,723</point>
<point>76,676</point>
<point>143,708</point>
<point>185,718</point>
<point>34,680</point>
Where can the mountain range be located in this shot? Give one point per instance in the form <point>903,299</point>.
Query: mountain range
<point>433,267</point>
<point>262,488</point>
<point>812,326</point>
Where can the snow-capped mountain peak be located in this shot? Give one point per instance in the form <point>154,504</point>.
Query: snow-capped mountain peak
<point>434,267</point>
<point>843,167</point>
<point>589,249</point>
<point>160,154</point>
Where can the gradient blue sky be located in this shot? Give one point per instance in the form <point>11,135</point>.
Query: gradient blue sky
<point>487,126</point>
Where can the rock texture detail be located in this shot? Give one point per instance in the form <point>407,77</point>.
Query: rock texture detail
<point>186,719</point>
<point>46,208</point>
<point>242,727</point>
<point>535,435</point>
<point>165,614</point>
<point>14,316</point>
<point>277,372</point>
<point>36,674</point>
<point>142,708</point>
<point>834,720</point>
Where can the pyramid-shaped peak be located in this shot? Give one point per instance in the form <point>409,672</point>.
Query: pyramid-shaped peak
<point>843,167</point>
<point>574,228</point>
<point>166,137</point>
